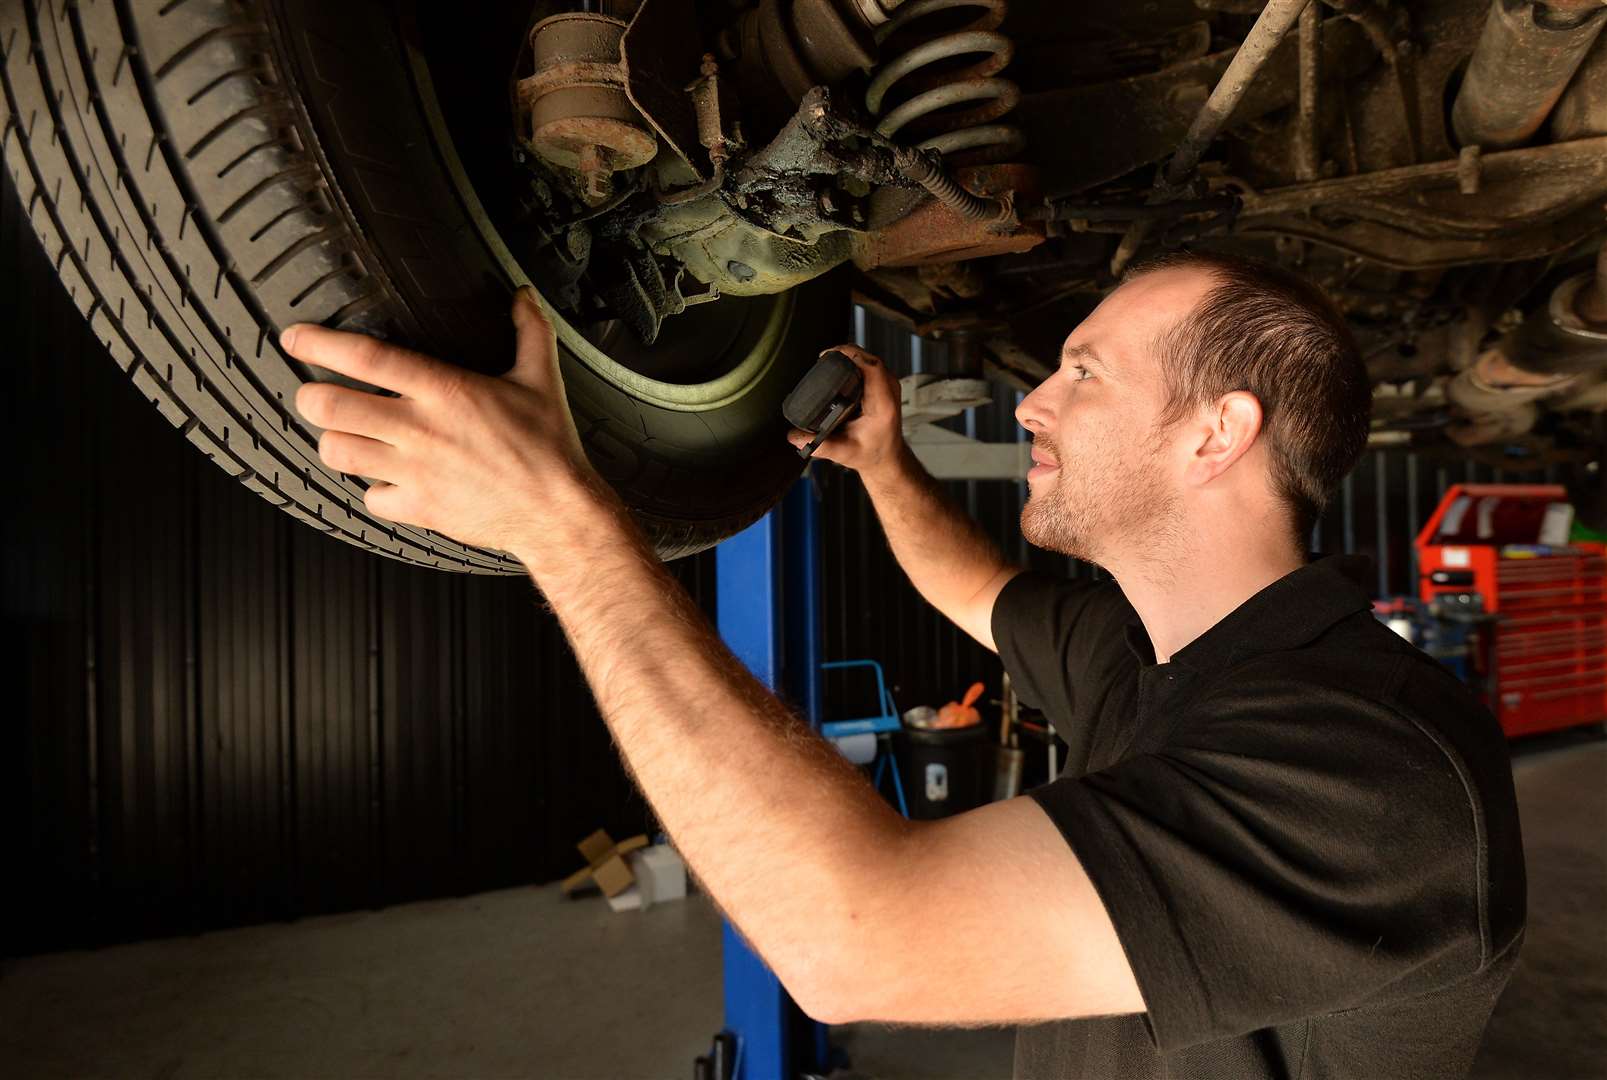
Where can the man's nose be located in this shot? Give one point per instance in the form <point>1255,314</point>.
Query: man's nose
<point>1031,414</point>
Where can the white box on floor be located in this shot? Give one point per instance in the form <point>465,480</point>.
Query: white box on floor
<point>660,875</point>
<point>627,899</point>
<point>661,872</point>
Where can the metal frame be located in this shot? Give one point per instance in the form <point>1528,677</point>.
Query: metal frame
<point>768,610</point>
<point>881,725</point>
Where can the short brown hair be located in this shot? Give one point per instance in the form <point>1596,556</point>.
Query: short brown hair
<point>1270,332</point>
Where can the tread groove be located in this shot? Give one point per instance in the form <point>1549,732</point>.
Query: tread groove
<point>281,260</point>
<point>195,46</point>
<point>218,131</point>
<point>366,302</point>
<point>227,169</point>
<point>271,222</point>
<point>300,169</point>
<point>218,81</point>
<point>313,287</point>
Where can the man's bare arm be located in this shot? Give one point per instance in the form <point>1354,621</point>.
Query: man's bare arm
<point>861,914</point>
<point>949,559</point>
<point>818,871</point>
<point>775,822</point>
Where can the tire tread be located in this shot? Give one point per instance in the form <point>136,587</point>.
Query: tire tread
<point>166,289</point>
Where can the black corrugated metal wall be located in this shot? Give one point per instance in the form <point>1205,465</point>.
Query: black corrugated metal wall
<point>222,716</point>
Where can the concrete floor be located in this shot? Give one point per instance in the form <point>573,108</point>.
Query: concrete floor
<point>525,984</point>
<point>1552,1020</point>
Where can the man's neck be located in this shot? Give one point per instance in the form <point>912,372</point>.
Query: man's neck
<point>1195,589</point>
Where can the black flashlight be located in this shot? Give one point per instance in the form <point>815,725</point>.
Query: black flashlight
<point>824,398</point>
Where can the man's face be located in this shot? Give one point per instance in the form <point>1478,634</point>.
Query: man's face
<point>1103,484</point>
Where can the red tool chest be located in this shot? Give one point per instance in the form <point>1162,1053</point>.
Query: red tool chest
<point>1542,653</point>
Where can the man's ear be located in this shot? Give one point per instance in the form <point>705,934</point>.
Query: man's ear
<point>1226,432</point>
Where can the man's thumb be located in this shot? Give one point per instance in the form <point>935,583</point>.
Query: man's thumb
<point>535,359</point>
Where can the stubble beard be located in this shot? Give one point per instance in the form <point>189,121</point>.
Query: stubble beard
<point>1101,506</point>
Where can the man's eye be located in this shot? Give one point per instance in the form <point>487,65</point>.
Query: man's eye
<point>1079,373</point>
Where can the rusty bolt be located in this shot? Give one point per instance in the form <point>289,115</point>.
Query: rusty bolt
<point>1468,170</point>
<point>596,179</point>
<point>578,242</point>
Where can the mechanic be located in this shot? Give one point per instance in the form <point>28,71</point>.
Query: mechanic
<point>1285,843</point>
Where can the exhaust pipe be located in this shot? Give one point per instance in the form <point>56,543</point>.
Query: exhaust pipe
<point>1523,62</point>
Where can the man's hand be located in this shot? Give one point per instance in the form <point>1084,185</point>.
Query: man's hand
<point>873,440</point>
<point>950,561</point>
<point>489,461</point>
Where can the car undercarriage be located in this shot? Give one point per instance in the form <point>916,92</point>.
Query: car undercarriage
<point>698,188</point>
<point>985,165</point>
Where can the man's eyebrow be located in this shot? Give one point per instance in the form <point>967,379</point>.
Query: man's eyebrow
<point>1085,353</point>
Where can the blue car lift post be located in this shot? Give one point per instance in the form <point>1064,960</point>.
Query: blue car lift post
<point>768,605</point>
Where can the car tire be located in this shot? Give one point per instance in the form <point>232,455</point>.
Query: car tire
<point>205,172</point>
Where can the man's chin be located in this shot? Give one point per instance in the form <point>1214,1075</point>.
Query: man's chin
<point>1040,530</point>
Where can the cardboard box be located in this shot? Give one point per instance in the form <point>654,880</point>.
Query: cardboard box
<point>605,864</point>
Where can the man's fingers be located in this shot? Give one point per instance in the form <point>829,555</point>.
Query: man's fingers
<point>386,501</point>
<point>881,389</point>
<point>341,408</point>
<point>366,359</point>
<point>881,397</point>
<point>833,448</point>
<point>859,356</point>
<point>535,362</point>
<point>357,456</point>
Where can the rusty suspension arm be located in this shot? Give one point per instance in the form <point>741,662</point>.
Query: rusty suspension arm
<point>1271,27</point>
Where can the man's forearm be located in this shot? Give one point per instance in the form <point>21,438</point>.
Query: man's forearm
<point>948,558</point>
<point>781,829</point>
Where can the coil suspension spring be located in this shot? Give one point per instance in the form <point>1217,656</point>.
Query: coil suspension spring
<point>929,110</point>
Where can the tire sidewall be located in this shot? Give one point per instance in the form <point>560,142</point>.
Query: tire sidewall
<point>692,476</point>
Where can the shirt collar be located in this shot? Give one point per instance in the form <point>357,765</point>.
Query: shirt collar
<point>1287,614</point>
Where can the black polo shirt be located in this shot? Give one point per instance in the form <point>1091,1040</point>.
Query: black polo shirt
<point>1303,828</point>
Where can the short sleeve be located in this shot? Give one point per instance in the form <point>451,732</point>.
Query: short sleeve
<point>1283,858</point>
<point>1064,644</point>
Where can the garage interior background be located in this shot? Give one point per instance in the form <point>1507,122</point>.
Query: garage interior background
<point>225,717</point>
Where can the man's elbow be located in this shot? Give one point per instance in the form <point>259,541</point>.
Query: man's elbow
<point>841,982</point>
<point>830,1009</point>
<point>831,986</point>
<point>849,968</point>
<point>858,998</point>
<point>843,1000</point>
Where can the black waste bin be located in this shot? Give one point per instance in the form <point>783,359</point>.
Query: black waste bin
<point>945,771</point>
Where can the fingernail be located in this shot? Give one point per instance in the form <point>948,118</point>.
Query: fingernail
<point>287,338</point>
